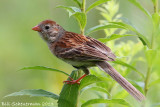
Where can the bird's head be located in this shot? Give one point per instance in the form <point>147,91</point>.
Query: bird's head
<point>49,30</point>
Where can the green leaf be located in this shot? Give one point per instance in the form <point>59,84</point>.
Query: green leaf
<point>76,12</point>
<point>154,1</point>
<point>129,66</point>
<point>121,94</point>
<point>69,93</point>
<point>154,82</point>
<point>72,10</point>
<point>98,2</point>
<point>77,2</point>
<point>114,101</point>
<point>114,36</point>
<point>96,89</point>
<point>44,68</point>
<point>81,18</point>
<point>35,93</point>
<point>143,39</point>
<point>137,4</point>
<point>102,27</point>
<point>90,79</point>
<point>150,56</point>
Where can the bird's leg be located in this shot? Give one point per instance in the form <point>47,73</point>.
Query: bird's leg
<point>72,81</point>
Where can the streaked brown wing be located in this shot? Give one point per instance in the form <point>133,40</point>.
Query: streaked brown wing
<point>82,53</point>
<point>80,48</point>
<point>101,47</point>
<point>91,51</point>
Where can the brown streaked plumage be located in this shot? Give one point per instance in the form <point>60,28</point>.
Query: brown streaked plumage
<point>76,47</point>
<point>82,52</point>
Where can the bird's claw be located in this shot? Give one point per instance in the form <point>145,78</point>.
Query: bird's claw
<point>72,81</point>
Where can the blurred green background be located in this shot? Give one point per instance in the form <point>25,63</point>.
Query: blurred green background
<point>21,47</point>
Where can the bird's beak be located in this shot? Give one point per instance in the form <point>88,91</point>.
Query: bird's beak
<point>36,28</point>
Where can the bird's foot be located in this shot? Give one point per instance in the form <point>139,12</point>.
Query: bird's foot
<point>72,81</point>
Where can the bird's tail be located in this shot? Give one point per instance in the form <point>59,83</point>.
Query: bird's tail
<point>121,80</point>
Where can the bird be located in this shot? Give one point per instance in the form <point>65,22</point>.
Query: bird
<point>82,52</point>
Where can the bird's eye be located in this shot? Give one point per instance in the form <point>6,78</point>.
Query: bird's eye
<point>46,27</point>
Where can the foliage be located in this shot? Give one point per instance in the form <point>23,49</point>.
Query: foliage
<point>114,101</point>
<point>35,93</point>
<point>70,93</point>
<point>99,83</point>
<point>44,68</point>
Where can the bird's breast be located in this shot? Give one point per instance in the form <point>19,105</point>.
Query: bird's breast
<point>79,63</point>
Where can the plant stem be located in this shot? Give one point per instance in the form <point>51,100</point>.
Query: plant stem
<point>156,6</point>
<point>152,39</point>
<point>154,27</point>
<point>83,9</point>
<point>82,31</point>
<point>83,6</point>
<point>147,80</point>
<point>152,47</point>
<point>110,91</point>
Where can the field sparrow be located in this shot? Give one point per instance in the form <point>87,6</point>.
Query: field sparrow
<point>82,52</point>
